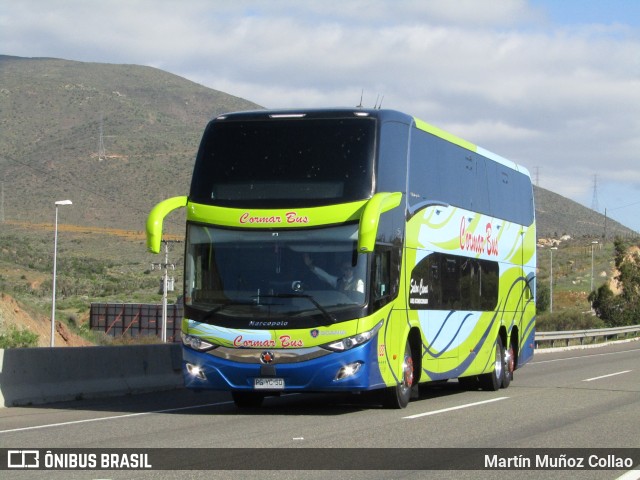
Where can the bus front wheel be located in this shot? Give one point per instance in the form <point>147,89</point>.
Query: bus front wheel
<point>399,395</point>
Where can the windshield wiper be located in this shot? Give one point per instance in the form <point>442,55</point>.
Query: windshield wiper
<point>228,303</point>
<point>325,313</point>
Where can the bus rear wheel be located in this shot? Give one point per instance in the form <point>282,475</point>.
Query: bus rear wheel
<point>399,395</point>
<point>492,381</point>
<point>509,365</point>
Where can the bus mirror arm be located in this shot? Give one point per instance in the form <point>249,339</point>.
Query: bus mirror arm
<point>156,218</point>
<point>413,209</point>
<point>380,203</point>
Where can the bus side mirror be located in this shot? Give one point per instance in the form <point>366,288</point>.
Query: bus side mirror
<point>156,218</point>
<point>380,203</point>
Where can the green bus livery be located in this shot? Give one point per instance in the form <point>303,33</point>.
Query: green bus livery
<point>349,250</point>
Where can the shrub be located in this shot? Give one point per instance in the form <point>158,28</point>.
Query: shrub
<point>14,338</point>
<point>543,298</point>
<point>567,320</point>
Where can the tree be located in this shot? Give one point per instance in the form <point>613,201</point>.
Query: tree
<point>543,298</point>
<point>629,276</point>
<point>608,306</point>
<point>622,309</point>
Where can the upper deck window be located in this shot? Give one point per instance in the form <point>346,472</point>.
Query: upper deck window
<point>285,162</point>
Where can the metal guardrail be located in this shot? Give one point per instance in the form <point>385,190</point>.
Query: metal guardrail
<point>582,335</point>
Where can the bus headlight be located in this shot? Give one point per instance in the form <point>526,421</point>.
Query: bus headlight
<point>196,343</point>
<point>196,371</point>
<point>348,370</point>
<point>351,342</point>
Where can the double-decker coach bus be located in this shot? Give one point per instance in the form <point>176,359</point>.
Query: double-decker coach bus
<point>351,250</point>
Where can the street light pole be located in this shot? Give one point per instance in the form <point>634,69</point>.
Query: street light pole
<point>551,279</point>
<point>55,256</point>
<point>595,242</point>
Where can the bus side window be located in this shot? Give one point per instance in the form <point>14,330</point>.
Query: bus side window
<point>381,277</point>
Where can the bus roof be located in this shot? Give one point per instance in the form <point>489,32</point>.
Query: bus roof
<point>381,114</point>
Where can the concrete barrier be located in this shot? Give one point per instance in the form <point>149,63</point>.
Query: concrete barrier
<point>30,376</point>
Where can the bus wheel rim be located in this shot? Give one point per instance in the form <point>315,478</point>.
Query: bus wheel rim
<point>408,371</point>
<point>499,362</point>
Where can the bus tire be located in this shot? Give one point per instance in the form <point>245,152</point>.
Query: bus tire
<point>399,395</point>
<point>247,399</point>
<point>469,383</point>
<point>492,381</point>
<point>509,365</point>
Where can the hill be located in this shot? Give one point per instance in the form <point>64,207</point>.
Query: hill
<point>116,139</point>
<point>52,114</point>
<point>557,215</point>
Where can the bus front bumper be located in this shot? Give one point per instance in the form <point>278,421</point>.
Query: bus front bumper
<point>353,370</point>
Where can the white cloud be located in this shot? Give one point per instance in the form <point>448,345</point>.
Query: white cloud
<point>498,72</point>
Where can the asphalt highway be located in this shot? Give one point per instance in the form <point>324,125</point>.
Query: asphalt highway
<point>563,400</point>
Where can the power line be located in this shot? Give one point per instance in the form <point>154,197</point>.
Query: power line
<point>66,182</point>
<point>58,178</point>
<point>625,206</point>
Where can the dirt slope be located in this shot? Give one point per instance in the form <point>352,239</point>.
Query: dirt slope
<point>11,313</point>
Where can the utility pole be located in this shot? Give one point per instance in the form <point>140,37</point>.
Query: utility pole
<point>165,283</point>
<point>594,199</point>
<point>2,202</point>
<point>551,279</point>
<point>102,153</point>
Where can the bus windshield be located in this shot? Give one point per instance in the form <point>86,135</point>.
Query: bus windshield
<point>251,279</point>
<point>285,162</point>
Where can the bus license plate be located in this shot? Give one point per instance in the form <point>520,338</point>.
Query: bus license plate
<point>268,383</point>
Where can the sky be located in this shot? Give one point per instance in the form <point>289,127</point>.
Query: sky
<point>553,85</point>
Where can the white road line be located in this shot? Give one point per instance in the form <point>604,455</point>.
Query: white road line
<point>114,417</point>
<point>580,357</point>
<point>630,475</point>
<point>435,412</point>
<point>605,376</point>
